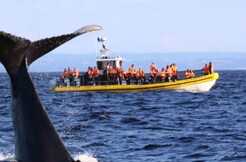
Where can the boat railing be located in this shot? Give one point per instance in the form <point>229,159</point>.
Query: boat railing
<point>85,80</point>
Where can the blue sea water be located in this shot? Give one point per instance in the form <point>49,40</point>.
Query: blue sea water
<point>149,126</point>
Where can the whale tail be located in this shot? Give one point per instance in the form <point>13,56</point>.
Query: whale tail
<point>14,49</point>
<point>36,139</point>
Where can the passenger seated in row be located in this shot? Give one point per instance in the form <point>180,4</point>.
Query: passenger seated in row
<point>130,74</point>
<point>189,74</point>
<point>208,69</point>
<point>95,75</point>
<point>161,76</point>
<point>120,74</point>
<point>166,74</point>
<point>111,75</point>
<point>70,77</point>
<point>140,76</point>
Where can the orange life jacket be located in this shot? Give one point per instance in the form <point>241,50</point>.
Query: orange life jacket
<point>169,71</point>
<point>187,74</point>
<point>75,73</point>
<point>65,74</point>
<point>95,72</point>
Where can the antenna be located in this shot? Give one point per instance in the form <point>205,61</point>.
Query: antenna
<point>104,50</point>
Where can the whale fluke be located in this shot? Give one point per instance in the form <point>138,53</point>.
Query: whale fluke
<point>38,49</point>
<point>36,139</point>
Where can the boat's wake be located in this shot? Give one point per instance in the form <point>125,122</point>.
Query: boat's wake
<point>83,157</point>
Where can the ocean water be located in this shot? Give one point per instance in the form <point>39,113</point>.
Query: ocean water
<point>156,126</point>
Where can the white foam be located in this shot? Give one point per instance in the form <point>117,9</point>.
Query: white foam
<point>6,156</point>
<point>86,157</point>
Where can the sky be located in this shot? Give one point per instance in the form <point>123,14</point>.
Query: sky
<point>132,26</point>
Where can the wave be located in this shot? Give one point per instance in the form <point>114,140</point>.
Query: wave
<point>85,157</point>
<point>82,157</point>
<point>8,156</point>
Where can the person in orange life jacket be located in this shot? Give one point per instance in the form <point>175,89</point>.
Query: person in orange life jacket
<point>153,67</point>
<point>211,68</point>
<point>132,71</point>
<point>174,72</point>
<point>90,72</point>
<point>65,74</point>
<point>111,74</point>
<point>70,72</point>
<point>169,73</point>
<point>206,69</point>
<point>162,75</point>
<point>192,74</point>
<point>120,74</point>
<point>76,73</point>
<point>152,75</point>
<point>140,75</point>
<point>187,74</point>
<point>95,72</point>
<point>95,75</point>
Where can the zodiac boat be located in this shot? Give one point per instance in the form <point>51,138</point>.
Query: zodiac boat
<point>201,83</point>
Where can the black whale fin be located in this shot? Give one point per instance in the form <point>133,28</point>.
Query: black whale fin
<point>36,139</point>
<point>41,47</point>
<point>14,49</point>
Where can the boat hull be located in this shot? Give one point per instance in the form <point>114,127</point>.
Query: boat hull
<point>198,84</point>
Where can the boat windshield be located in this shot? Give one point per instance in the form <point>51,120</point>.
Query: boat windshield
<point>101,65</point>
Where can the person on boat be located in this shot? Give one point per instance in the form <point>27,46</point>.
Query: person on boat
<point>89,75</point>
<point>169,73</point>
<point>152,75</point>
<point>192,74</point>
<point>65,74</point>
<point>206,69</point>
<point>211,68</point>
<point>95,75</point>
<point>153,67</point>
<point>70,72</point>
<point>132,69</point>
<point>187,74</point>
<point>140,76</point>
<point>112,75</point>
<point>75,77</point>
<point>131,73</point>
<point>174,72</point>
<point>120,74</point>
<point>161,75</point>
<point>76,73</point>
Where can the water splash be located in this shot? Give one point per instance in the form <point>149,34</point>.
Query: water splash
<point>85,157</point>
<point>6,156</point>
